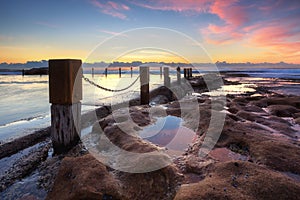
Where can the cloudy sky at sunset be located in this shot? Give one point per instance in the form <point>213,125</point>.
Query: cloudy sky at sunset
<point>230,30</point>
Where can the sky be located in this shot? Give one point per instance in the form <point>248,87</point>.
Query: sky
<point>181,30</point>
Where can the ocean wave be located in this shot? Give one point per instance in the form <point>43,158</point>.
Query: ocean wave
<point>24,120</point>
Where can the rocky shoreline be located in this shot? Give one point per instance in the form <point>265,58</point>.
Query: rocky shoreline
<point>255,157</point>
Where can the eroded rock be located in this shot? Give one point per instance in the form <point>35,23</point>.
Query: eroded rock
<point>241,180</point>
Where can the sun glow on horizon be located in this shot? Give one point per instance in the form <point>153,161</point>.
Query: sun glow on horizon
<point>231,31</point>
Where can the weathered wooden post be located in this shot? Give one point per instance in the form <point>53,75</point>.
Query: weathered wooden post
<point>93,72</point>
<point>120,72</point>
<point>178,76</point>
<point>191,72</point>
<point>184,72</point>
<point>131,71</point>
<point>166,77</point>
<point>23,72</point>
<point>188,73</point>
<point>105,72</point>
<point>65,93</point>
<point>144,79</point>
<point>160,69</point>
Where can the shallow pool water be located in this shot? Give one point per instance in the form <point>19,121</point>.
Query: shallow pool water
<point>169,132</point>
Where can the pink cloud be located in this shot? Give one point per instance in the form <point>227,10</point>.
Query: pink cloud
<point>111,8</point>
<point>233,15</point>
<point>271,24</point>
<point>230,12</point>
<point>282,38</point>
<point>220,34</point>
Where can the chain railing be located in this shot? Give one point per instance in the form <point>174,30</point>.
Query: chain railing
<point>108,89</point>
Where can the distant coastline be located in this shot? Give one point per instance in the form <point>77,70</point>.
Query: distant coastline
<point>18,67</point>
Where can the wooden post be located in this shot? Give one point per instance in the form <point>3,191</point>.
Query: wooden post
<point>23,72</point>
<point>166,77</point>
<point>93,72</point>
<point>160,72</point>
<point>191,72</point>
<point>178,76</point>
<point>65,93</point>
<point>131,71</point>
<point>144,79</point>
<point>185,74</point>
<point>105,72</point>
<point>120,72</point>
<point>188,73</point>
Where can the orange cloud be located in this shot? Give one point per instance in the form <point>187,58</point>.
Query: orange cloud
<point>111,8</point>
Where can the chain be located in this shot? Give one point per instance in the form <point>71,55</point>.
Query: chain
<point>108,89</point>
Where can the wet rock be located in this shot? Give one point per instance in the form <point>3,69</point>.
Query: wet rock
<point>282,110</point>
<point>240,148</point>
<point>164,91</point>
<point>159,99</point>
<point>140,115</point>
<point>19,144</point>
<point>197,165</point>
<point>227,181</point>
<point>297,115</point>
<point>48,171</point>
<point>278,120</point>
<point>197,82</point>
<point>253,108</point>
<point>248,116</point>
<point>24,166</point>
<point>86,178</point>
<point>297,121</point>
<point>283,100</point>
<point>233,109</point>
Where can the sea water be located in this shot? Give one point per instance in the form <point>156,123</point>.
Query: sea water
<point>25,107</point>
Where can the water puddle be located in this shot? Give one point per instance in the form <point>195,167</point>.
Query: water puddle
<point>168,132</point>
<point>86,131</point>
<point>232,89</point>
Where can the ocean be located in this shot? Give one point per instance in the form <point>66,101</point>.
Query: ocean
<point>25,107</point>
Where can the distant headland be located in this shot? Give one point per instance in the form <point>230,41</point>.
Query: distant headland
<point>100,65</point>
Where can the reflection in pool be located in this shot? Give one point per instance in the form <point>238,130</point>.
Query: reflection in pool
<point>168,132</point>
<point>232,89</point>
